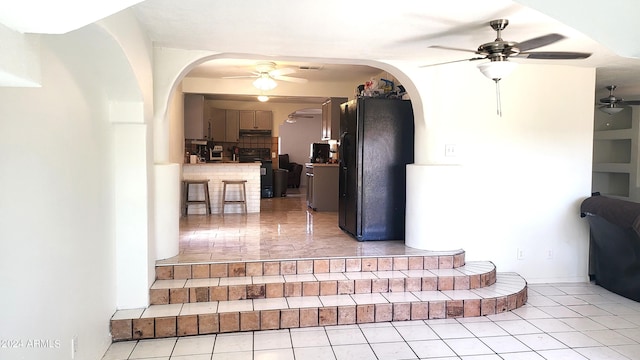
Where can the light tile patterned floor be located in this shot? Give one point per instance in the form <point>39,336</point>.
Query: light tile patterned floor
<point>560,321</point>
<point>588,322</point>
<point>285,228</point>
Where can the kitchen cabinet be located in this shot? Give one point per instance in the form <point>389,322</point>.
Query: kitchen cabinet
<point>218,124</point>
<point>256,120</point>
<point>232,130</point>
<point>322,186</point>
<point>224,125</point>
<point>331,118</point>
<point>196,118</point>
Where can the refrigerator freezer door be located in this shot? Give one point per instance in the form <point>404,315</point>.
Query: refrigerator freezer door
<point>347,209</point>
<point>377,144</point>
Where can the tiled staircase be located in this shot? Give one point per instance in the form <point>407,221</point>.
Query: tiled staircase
<point>195,299</point>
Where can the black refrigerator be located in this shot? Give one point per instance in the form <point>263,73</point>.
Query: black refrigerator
<point>376,144</point>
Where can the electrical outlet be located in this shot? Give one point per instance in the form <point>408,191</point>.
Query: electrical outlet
<point>450,150</point>
<point>549,254</point>
<point>74,347</point>
<point>520,254</point>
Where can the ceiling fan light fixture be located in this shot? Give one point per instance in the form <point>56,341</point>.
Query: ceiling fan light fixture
<point>497,70</point>
<point>263,98</point>
<point>265,83</point>
<point>611,109</point>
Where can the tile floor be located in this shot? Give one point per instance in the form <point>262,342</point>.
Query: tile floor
<point>560,321</point>
<point>283,229</point>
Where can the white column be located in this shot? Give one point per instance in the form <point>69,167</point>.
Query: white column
<point>435,207</point>
<point>167,210</point>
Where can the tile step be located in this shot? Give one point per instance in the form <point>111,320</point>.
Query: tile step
<point>166,270</point>
<point>157,321</point>
<point>473,275</point>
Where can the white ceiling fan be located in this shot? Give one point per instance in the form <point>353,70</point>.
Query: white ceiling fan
<point>266,74</point>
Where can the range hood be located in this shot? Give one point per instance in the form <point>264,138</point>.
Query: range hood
<point>255,132</point>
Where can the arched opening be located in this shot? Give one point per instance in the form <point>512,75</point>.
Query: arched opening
<point>285,99</point>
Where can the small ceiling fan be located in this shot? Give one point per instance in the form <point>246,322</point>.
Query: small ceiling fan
<point>303,114</point>
<point>499,51</point>
<point>266,74</point>
<point>612,104</point>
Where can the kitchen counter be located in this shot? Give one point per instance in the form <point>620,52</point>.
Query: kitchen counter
<point>223,163</point>
<point>319,164</point>
<point>322,186</point>
<point>215,172</point>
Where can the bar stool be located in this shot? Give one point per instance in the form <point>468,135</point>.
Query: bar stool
<point>243,199</point>
<point>187,202</point>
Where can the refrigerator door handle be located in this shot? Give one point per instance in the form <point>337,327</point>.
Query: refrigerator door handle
<point>343,144</point>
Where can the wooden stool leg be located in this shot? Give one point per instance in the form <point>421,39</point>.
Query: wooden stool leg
<point>224,196</point>
<point>244,197</point>
<point>207,203</point>
<point>186,199</point>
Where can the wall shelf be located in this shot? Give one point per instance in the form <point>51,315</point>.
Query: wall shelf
<point>615,154</point>
<point>612,151</point>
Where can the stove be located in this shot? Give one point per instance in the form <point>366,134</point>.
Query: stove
<point>253,154</point>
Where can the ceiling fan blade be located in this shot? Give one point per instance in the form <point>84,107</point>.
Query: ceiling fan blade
<point>554,55</point>
<point>240,77</point>
<point>540,41</point>
<point>281,72</point>
<point>454,61</point>
<point>291,79</point>
<point>631,102</point>
<point>452,48</point>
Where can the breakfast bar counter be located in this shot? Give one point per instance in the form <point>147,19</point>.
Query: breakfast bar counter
<point>216,172</point>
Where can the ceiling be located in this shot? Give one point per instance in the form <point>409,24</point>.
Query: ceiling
<point>343,39</point>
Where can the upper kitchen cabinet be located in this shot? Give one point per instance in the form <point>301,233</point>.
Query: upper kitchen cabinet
<point>232,130</point>
<point>218,124</point>
<point>331,118</point>
<point>196,122</point>
<point>264,120</point>
<point>257,120</point>
<point>224,125</point>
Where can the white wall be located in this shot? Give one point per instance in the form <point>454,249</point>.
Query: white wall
<point>295,139</point>
<point>57,260</point>
<point>517,181</point>
<point>67,216</point>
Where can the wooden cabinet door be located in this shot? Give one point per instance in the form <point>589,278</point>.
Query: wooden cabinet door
<point>232,126</point>
<point>194,125</point>
<point>218,124</point>
<point>263,120</point>
<point>326,124</point>
<point>331,118</point>
<point>247,119</point>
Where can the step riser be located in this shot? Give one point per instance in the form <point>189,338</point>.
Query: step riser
<point>298,267</point>
<point>185,325</point>
<point>315,288</point>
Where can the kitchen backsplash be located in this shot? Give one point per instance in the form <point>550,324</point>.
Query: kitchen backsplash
<point>245,142</point>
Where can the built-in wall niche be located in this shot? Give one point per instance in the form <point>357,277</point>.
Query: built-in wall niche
<point>616,151</point>
<point>610,183</point>
<point>619,121</point>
